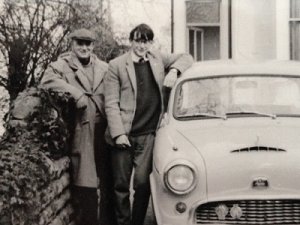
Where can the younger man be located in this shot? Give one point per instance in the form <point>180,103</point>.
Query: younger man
<point>134,105</point>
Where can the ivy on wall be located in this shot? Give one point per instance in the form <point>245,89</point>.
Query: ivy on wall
<point>33,166</point>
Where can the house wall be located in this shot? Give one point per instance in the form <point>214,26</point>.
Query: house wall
<point>259,29</point>
<point>282,30</point>
<point>254,29</point>
<point>180,31</point>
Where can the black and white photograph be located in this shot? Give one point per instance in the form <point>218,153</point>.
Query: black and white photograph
<point>149,112</point>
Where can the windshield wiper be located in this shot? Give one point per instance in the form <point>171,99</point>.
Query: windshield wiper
<point>273,116</point>
<point>202,115</point>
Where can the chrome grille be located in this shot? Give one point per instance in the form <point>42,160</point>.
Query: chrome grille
<point>259,148</point>
<point>254,212</point>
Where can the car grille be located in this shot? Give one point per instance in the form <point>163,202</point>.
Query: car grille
<point>254,212</point>
<point>259,149</point>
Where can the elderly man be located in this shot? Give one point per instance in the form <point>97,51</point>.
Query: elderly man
<point>133,105</point>
<point>80,73</point>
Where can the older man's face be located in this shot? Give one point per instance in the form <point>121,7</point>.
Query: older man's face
<point>82,48</point>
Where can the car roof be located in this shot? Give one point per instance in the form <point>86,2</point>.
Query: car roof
<point>235,67</point>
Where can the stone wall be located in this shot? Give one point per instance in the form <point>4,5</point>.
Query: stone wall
<point>4,105</point>
<point>34,176</point>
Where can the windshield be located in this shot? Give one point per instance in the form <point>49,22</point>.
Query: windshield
<point>238,96</point>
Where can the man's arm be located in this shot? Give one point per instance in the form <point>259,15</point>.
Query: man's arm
<point>176,64</point>
<point>180,62</point>
<point>53,79</point>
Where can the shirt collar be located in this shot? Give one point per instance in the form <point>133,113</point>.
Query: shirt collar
<point>136,58</point>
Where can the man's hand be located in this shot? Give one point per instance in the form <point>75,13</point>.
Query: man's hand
<point>82,102</point>
<point>122,141</point>
<point>171,78</point>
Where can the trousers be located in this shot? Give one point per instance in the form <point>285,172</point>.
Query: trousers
<point>85,203</point>
<point>138,157</point>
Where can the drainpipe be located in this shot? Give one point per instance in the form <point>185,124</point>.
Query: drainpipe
<point>172,26</point>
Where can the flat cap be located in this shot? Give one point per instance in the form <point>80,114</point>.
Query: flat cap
<point>83,34</point>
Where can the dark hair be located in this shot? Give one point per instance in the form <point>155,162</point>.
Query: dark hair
<point>142,32</point>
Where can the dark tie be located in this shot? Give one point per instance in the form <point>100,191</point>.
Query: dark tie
<point>141,60</point>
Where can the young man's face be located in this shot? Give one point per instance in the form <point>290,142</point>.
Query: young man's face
<point>82,48</point>
<point>140,46</point>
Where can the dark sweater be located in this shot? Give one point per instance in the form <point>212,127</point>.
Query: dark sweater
<point>148,103</point>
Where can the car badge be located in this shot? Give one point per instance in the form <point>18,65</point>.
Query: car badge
<point>260,182</point>
<point>236,212</point>
<point>221,211</point>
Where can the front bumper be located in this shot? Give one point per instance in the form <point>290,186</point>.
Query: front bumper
<point>257,207</point>
<point>263,212</point>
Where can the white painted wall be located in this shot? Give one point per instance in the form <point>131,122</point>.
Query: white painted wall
<point>180,36</point>
<point>254,29</point>
<point>224,31</point>
<point>282,29</point>
<point>260,29</point>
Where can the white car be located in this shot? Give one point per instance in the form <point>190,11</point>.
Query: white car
<point>228,149</point>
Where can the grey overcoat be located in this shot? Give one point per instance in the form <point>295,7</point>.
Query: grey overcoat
<point>67,75</point>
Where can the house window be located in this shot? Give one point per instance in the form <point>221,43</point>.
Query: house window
<point>203,24</point>
<point>196,43</point>
<point>295,29</point>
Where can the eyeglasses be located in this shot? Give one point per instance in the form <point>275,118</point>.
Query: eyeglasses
<point>83,42</point>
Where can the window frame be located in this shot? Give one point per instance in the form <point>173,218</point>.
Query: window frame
<point>196,30</point>
<point>224,26</point>
<point>292,38</point>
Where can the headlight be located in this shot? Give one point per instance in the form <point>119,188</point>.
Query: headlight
<point>180,179</point>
